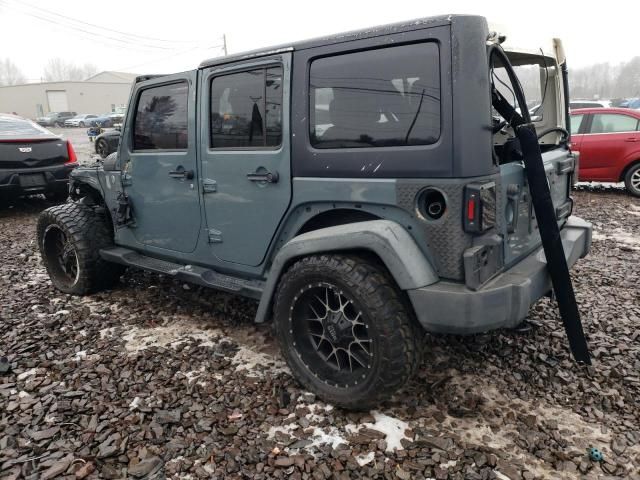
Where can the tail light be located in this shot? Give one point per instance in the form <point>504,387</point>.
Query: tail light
<point>71,153</point>
<point>479,207</point>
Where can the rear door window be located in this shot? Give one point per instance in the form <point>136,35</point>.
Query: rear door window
<point>613,123</point>
<point>246,109</point>
<point>376,98</point>
<point>161,118</point>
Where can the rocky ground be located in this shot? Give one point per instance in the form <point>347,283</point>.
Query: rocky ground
<point>159,379</point>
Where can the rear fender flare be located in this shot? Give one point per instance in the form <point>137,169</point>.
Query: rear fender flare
<point>388,240</point>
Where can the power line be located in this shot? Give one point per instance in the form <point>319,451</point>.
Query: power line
<point>115,41</point>
<point>83,22</point>
<point>124,69</point>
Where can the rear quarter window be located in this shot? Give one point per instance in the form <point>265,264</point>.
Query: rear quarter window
<point>384,97</point>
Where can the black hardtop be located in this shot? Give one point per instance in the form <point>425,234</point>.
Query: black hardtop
<point>370,32</point>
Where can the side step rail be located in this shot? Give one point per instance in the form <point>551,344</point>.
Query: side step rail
<point>188,273</point>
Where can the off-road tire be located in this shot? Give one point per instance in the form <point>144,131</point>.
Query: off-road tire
<point>397,338</point>
<point>631,180</point>
<point>86,231</point>
<point>102,148</point>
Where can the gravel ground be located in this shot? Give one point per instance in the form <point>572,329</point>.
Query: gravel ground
<point>158,379</point>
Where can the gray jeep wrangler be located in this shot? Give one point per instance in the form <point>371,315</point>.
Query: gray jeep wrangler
<point>364,188</point>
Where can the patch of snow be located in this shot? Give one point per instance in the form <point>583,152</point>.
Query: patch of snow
<point>81,355</point>
<point>29,373</point>
<point>500,475</point>
<point>333,438</point>
<point>365,459</point>
<point>393,428</point>
<point>619,236</point>
<point>247,359</point>
<point>450,463</point>
<point>135,403</point>
<point>62,312</point>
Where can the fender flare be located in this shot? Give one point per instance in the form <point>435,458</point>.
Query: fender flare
<point>388,240</point>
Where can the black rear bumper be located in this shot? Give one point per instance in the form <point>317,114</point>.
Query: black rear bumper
<point>35,180</point>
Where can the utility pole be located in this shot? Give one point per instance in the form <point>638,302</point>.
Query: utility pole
<point>224,43</point>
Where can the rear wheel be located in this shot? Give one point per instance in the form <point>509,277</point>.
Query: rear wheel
<point>102,148</point>
<point>632,180</point>
<point>70,237</point>
<point>345,330</point>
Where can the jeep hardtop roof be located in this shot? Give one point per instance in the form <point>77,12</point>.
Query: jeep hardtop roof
<point>380,30</point>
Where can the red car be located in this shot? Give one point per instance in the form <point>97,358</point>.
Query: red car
<point>608,140</point>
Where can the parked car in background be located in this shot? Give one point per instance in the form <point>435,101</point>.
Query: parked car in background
<point>107,143</point>
<point>633,103</point>
<point>608,140</point>
<point>55,119</point>
<point>33,160</point>
<point>573,104</point>
<point>81,120</point>
<point>102,121</point>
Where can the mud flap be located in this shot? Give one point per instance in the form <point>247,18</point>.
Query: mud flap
<point>552,242</point>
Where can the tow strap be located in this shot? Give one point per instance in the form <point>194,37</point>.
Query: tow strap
<point>547,222</point>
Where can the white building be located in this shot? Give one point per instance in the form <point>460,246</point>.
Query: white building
<point>99,94</point>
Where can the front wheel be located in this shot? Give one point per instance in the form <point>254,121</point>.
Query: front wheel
<point>632,180</point>
<point>345,330</point>
<point>82,124</point>
<point>70,237</point>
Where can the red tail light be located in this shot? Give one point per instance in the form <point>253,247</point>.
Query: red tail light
<point>71,153</point>
<point>471,209</point>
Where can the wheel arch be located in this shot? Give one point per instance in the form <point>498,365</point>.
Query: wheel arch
<point>388,241</point>
<point>628,167</point>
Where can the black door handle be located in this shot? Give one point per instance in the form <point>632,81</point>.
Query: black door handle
<point>267,177</point>
<point>180,172</point>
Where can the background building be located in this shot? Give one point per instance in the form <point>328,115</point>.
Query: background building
<point>99,94</point>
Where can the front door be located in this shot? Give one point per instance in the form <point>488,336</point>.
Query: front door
<point>245,156</point>
<point>160,168</point>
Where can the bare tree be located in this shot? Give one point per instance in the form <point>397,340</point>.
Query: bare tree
<point>10,74</point>
<point>58,70</point>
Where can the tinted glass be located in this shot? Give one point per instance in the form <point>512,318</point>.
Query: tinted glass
<point>161,118</point>
<point>18,127</point>
<point>246,109</point>
<point>576,122</point>
<point>376,98</point>
<point>612,123</point>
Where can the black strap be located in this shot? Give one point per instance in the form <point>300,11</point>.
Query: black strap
<point>548,226</point>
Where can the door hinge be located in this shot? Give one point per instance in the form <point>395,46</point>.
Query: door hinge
<point>215,236</point>
<point>209,186</point>
<point>126,180</point>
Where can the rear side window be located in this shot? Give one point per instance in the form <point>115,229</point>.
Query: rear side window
<point>376,98</point>
<point>576,123</point>
<point>613,123</point>
<point>246,109</point>
<point>161,118</point>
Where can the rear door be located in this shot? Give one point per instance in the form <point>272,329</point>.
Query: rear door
<point>609,140</point>
<point>245,155</point>
<point>159,157</point>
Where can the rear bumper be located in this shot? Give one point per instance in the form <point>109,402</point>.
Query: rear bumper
<point>55,179</point>
<point>448,307</point>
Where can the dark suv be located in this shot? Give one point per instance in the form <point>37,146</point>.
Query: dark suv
<point>364,188</point>
<point>55,119</point>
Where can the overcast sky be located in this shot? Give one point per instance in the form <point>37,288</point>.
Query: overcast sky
<point>158,37</point>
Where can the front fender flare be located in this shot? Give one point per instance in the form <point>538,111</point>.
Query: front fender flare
<point>388,240</point>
